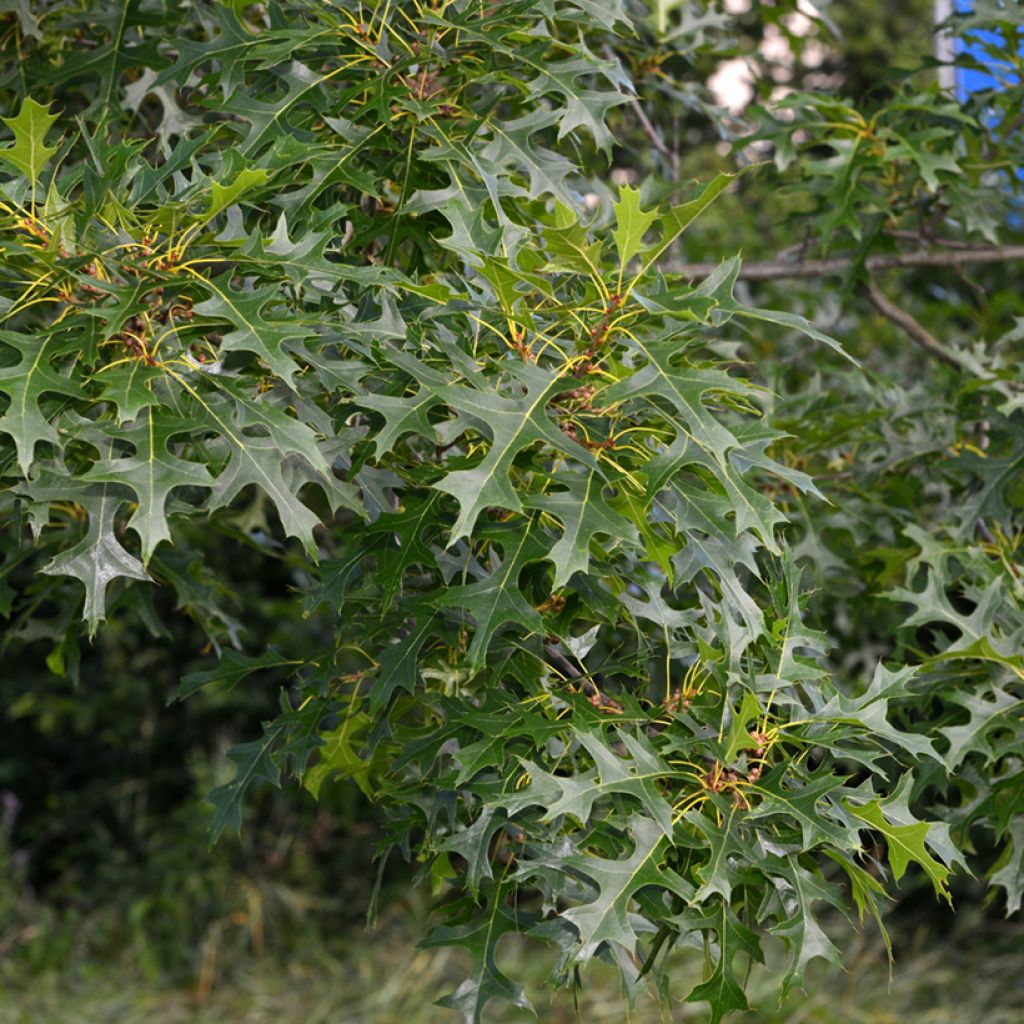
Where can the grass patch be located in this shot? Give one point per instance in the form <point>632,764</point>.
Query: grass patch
<point>379,977</point>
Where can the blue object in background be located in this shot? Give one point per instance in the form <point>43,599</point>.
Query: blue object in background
<point>971,80</point>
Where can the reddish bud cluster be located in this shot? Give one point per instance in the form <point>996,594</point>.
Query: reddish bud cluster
<point>424,86</point>
<point>584,394</point>
<point>137,327</point>
<point>602,703</point>
<point>676,700</point>
<point>555,603</point>
<point>168,262</point>
<point>718,781</point>
<point>34,227</point>
<point>519,343</point>
<point>132,337</point>
<point>599,334</point>
<point>599,700</point>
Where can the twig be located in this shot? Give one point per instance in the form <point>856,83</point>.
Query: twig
<point>919,237</point>
<point>563,662</point>
<point>986,533</point>
<point>587,687</point>
<point>778,270</point>
<point>903,319</point>
<point>652,133</point>
<point>645,122</point>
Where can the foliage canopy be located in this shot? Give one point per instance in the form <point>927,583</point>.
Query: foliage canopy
<point>651,613</point>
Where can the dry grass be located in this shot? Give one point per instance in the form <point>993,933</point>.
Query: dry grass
<point>380,978</point>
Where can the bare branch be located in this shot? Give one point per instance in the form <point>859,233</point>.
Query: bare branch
<point>904,320</point>
<point>645,122</point>
<point>986,533</point>
<point>652,133</point>
<point>919,238</point>
<point>587,686</point>
<point>566,666</point>
<point>779,270</point>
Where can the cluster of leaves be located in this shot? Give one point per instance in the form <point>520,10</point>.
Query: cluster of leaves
<point>321,281</point>
<point>928,477</point>
<point>920,561</point>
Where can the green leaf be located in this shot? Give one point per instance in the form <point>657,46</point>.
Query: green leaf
<point>568,244</point>
<point>1009,870</point>
<point>497,601</point>
<point>916,148</point>
<point>98,558</point>
<point>632,223</point>
<point>339,756</point>
<point>336,576</point>
<point>739,738</point>
<point>480,938</point>
<point>407,535</point>
<point>26,383</point>
<point>636,776</point>
<point>512,143</point>
<point>867,892</point>
<point>252,332</point>
<point>667,377</point>
<point>717,874</point>
<point>679,218</point>
<point>230,670</point>
<point>232,47</point>
<point>152,473</point>
<point>513,424</point>
<point>719,286</point>
<point>905,844</point>
<point>399,661</point>
<point>584,515</point>
<point>870,712</point>
<point>28,154</point>
<point>260,459</point>
<point>791,320</point>
<point>798,890</point>
<point>402,415</point>
<point>721,990</point>
<point>223,195</point>
<point>606,918</point>
<point>503,724</point>
<point>127,387</point>
<point>474,844</point>
<point>254,763</point>
<point>818,819</point>
<point>980,636</point>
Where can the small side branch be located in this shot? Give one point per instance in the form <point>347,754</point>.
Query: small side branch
<point>780,270</point>
<point>563,663</point>
<point>921,335</point>
<point>645,122</point>
<point>652,133</point>
<point>582,681</point>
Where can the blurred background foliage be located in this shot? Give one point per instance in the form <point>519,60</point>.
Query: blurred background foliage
<point>113,906</point>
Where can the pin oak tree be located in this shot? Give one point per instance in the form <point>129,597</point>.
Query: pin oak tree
<point>658,597</point>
